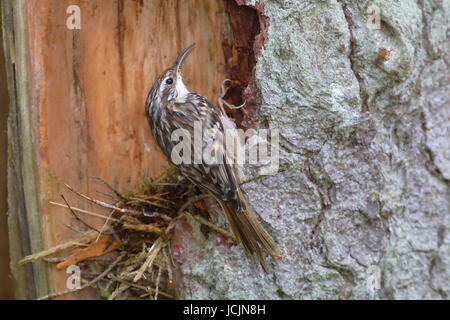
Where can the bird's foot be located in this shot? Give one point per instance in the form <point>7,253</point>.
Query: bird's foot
<point>222,94</point>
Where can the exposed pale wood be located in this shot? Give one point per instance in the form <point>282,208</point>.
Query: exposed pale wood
<point>86,92</point>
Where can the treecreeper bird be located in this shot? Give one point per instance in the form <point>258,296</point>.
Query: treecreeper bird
<point>170,106</point>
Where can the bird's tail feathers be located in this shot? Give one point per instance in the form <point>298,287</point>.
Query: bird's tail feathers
<point>250,233</point>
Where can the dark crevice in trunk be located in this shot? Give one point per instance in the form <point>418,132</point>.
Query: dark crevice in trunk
<point>241,49</point>
<point>353,64</point>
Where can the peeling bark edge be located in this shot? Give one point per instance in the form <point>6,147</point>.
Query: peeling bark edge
<point>23,218</point>
<point>243,87</point>
<point>250,91</point>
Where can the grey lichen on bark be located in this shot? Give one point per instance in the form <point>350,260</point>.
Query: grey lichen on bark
<point>364,122</point>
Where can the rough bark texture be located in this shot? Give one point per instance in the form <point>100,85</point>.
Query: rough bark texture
<point>365,132</point>
<point>77,108</point>
<point>363,115</point>
<point>23,216</point>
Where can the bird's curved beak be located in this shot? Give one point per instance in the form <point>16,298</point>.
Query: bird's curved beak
<point>180,58</point>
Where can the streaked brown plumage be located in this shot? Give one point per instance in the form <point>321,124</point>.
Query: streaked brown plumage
<point>171,106</point>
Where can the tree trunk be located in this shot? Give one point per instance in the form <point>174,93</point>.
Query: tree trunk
<point>364,119</point>
<point>77,108</point>
<point>362,210</point>
<point>6,290</point>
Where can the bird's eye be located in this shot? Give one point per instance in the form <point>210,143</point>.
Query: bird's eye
<point>169,81</point>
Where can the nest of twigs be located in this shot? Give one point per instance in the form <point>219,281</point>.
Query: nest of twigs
<point>128,257</point>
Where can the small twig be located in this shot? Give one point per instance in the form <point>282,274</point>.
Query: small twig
<point>158,196</point>
<point>106,195</point>
<point>169,268</point>
<point>152,253</point>
<point>86,236</point>
<point>191,201</point>
<point>146,289</point>
<point>78,218</point>
<point>259,176</point>
<point>167,184</point>
<point>81,244</point>
<point>157,214</point>
<point>84,211</point>
<point>122,287</point>
<point>214,227</point>
<point>122,210</point>
<point>151,203</point>
<point>117,193</point>
<point>171,257</point>
<point>101,203</point>
<point>157,283</point>
<point>72,228</point>
<point>144,228</point>
<point>90,283</point>
<point>54,260</point>
<point>181,214</point>
<point>102,229</point>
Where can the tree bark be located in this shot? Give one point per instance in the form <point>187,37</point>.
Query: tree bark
<point>23,219</point>
<point>77,109</point>
<point>364,125</point>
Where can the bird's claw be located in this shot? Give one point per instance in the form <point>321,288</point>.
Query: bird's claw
<point>233,106</point>
<point>222,94</point>
<point>224,90</point>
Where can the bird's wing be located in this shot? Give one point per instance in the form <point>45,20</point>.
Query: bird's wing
<point>218,175</point>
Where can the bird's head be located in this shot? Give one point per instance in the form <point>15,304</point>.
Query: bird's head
<point>169,85</point>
